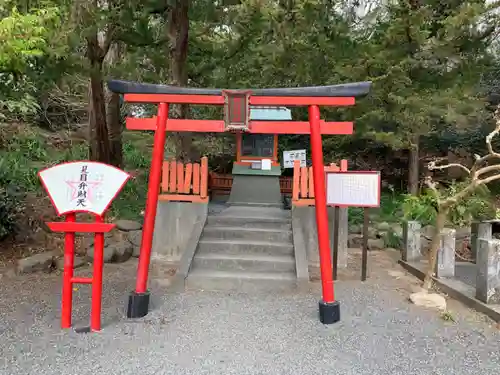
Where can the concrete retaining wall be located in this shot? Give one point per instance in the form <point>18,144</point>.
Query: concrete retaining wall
<point>486,251</point>
<point>306,236</point>
<point>176,225</point>
<point>488,271</point>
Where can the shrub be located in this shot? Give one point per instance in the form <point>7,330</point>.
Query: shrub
<point>9,209</point>
<point>423,208</point>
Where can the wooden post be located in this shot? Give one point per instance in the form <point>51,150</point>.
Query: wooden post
<point>336,225</point>
<point>364,255</point>
<point>204,178</point>
<point>296,180</point>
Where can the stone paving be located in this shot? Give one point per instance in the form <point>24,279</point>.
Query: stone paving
<point>200,332</point>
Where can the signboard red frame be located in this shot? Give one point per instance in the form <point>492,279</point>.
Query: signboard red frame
<point>69,227</point>
<point>355,173</point>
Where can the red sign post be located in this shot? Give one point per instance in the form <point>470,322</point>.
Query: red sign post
<point>236,104</point>
<point>82,187</point>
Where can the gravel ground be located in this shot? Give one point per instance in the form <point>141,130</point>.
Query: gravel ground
<point>200,332</point>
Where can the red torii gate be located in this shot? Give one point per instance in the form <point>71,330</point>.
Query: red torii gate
<point>236,118</point>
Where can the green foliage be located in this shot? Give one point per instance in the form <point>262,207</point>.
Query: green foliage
<point>24,38</point>
<point>393,239</point>
<point>423,208</point>
<point>137,158</point>
<point>9,209</point>
<point>447,316</point>
<point>355,215</point>
<point>417,91</point>
<point>23,153</point>
<point>390,206</point>
<point>479,206</point>
<point>390,209</point>
<point>426,61</point>
<point>420,208</point>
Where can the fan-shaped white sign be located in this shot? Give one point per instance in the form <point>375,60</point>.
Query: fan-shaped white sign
<point>83,186</point>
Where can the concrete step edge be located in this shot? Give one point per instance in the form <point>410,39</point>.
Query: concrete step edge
<point>270,219</point>
<point>245,242</point>
<point>216,228</point>
<point>244,257</point>
<point>275,276</point>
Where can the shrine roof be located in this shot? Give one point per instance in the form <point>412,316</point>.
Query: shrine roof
<point>355,89</point>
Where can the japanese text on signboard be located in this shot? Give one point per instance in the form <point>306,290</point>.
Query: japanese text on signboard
<point>353,189</point>
<point>82,188</point>
<point>289,158</point>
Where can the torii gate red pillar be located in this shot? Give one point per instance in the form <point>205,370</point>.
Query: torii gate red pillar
<point>237,106</point>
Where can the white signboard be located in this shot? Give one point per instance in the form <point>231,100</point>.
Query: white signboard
<point>353,189</point>
<point>290,156</point>
<point>82,186</point>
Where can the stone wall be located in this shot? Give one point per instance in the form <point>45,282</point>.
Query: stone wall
<point>488,272</point>
<point>485,250</point>
<point>175,223</point>
<point>421,245</point>
<point>304,220</point>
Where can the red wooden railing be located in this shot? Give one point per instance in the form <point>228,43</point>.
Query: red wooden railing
<point>303,182</point>
<point>222,183</point>
<point>286,185</point>
<point>185,182</point>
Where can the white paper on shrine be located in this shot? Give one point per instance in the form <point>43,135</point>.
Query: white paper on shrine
<point>354,189</point>
<point>266,164</point>
<point>83,186</point>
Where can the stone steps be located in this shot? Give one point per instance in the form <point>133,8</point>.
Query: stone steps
<point>237,233</point>
<point>247,282</point>
<point>245,249</point>
<point>244,246</point>
<point>250,222</point>
<point>243,262</point>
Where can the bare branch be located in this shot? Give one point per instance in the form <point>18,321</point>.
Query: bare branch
<point>489,179</point>
<point>494,133</point>
<point>108,40</point>
<point>432,185</point>
<point>444,205</point>
<point>487,169</point>
<point>433,166</point>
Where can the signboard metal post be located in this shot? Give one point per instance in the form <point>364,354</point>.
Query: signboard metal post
<point>85,187</point>
<point>353,189</point>
<point>364,254</point>
<point>336,225</point>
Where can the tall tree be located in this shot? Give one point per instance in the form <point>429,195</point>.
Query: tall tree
<point>178,36</point>
<point>425,60</point>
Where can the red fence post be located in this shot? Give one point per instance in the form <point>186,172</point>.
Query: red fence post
<point>138,303</point>
<point>67,289</point>
<point>95,312</point>
<point>329,309</point>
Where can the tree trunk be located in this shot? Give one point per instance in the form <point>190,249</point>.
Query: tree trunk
<point>414,166</point>
<point>113,111</point>
<point>115,127</point>
<point>435,244</point>
<point>98,44</point>
<point>99,141</point>
<point>178,33</point>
